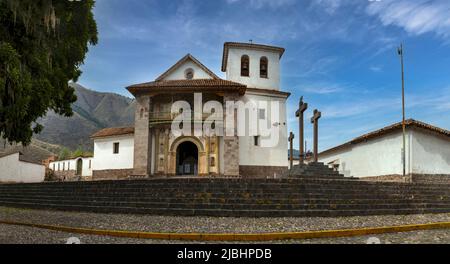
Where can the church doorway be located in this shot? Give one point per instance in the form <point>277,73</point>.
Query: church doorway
<point>187,159</point>
<point>79,167</point>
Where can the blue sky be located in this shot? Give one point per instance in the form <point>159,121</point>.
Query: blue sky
<point>340,54</point>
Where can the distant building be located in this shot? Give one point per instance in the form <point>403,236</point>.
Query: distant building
<point>378,155</point>
<point>74,169</point>
<point>16,169</point>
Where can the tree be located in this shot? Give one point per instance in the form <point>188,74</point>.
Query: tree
<point>43,43</point>
<point>64,154</point>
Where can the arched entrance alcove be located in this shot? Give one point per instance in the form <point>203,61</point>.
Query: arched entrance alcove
<point>194,147</point>
<point>187,159</point>
<point>79,167</point>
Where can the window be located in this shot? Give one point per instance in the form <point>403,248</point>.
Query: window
<point>262,114</point>
<point>245,66</point>
<point>64,166</point>
<point>189,74</point>
<point>213,162</point>
<point>116,148</point>
<point>256,139</point>
<point>263,67</point>
<point>68,166</point>
<point>53,166</point>
<point>59,168</point>
<point>90,164</point>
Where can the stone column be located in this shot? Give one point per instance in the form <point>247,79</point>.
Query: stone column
<point>166,151</point>
<point>231,143</point>
<point>142,137</point>
<point>157,151</point>
<point>208,154</point>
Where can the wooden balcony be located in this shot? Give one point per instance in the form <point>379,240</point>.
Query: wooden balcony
<point>156,118</point>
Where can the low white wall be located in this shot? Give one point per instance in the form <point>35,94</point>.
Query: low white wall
<point>105,159</point>
<point>431,153</point>
<point>14,170</point>
<point>376,157</point>
<point>71,165</point>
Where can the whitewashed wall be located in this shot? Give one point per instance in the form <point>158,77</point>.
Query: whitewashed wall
<point>105,159</point>
<point>249,154</point>
<point>376,157</point>
<point>14,170</point>
<point>431,154</point>
<point>71,165</point>
<point>254,81</point>
<point>179,73</point>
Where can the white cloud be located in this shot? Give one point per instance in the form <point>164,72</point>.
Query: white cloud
<point>322,88</point>
<point>376,68</point>
<point>257,4</point>
<point>416,17</point>
<point>330,6</point>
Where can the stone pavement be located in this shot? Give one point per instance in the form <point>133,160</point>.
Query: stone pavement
<point>149,223</point>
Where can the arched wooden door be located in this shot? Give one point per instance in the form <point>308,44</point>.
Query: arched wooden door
<point>79,167</point>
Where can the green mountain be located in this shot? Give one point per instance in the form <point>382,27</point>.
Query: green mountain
<point>92,111</point>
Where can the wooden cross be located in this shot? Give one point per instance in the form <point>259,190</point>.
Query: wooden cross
<point>315,121</point>
<point>300,114</point>
<point>291,154</point>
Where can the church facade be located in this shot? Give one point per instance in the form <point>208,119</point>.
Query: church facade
<point>191,122</point>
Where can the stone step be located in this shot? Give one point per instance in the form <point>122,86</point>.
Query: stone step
<point>231,183</point>
<point>208,196</point>
<point>331,189</point>
<point>289,202</point>
<point>302,183</point>
<point>225,213</point>
<point>236,206</point>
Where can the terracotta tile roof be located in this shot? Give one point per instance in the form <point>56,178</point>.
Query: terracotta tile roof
<point>113,131</point>
<point>183,60</point>
<point>227,46</point>
<point>410,123</point>
<point>195,85</point>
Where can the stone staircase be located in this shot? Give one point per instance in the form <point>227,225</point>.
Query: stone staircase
<point>289,197</point>
<point>316,170</point>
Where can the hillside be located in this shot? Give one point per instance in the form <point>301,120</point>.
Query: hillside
<point>92,111</point>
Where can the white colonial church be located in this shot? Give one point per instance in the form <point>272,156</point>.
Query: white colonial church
<point>150,149</point>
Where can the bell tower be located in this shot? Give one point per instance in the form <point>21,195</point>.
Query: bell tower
<point>254,65</point>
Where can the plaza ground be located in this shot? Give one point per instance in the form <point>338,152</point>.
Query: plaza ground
<point>149,223</point>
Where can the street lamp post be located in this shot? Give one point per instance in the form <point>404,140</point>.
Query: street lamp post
<point>400,52</point>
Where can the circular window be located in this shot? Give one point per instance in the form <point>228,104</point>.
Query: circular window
<point>189,74</point>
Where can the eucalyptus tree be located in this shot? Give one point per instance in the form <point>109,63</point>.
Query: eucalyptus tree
<point>43,43</point>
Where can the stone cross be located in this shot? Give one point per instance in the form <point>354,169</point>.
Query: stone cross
<point>300,114</point>
<point>291,154</point>
<point>315,121</point>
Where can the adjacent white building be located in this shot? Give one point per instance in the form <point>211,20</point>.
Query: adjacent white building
<point>14,169</point>
<point>113,153</point>
<point>378,155</point>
